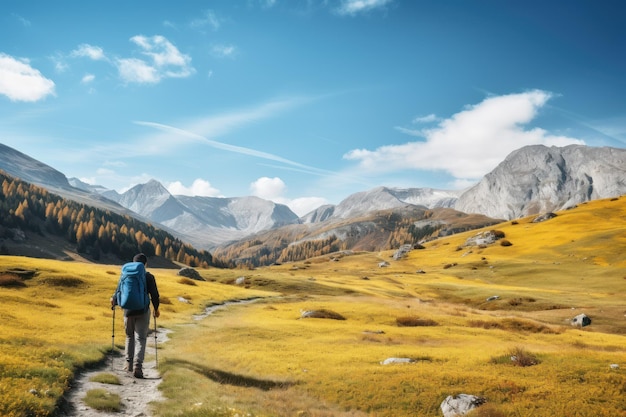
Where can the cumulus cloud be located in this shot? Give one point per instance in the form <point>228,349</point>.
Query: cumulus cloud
<point>21,82</point>
<point>199,187</point>
<point>164,60</point>
<point>273,189</point>
<point>353,7</point>
<point>470,143</point>
<point>268,188</point>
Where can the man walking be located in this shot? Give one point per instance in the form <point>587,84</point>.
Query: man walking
<point>137,322</point>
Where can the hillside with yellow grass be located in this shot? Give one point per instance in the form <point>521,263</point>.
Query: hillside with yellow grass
<point>321,338</point>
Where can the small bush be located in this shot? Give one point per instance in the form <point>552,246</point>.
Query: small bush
<point>517,356</point>
<point>505,242</point>
<point>187,281</point>
<point>411,321</point>
<point>164,300</point>
<point>102,400</point>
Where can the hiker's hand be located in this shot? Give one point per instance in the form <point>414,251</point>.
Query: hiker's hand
<point>157,313</point>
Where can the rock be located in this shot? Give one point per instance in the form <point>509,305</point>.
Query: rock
<point>240,281</point>
<point>383,264</point>
<point>389,361</point>
<point>544,217</point>
<point>402,251</point>
<point>581,320</point>
<point>183,300</point>
<point>493,298</point>
<point>190,273</point>
<point>460,405</point>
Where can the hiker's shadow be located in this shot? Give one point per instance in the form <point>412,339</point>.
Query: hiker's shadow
<point>228,378</point>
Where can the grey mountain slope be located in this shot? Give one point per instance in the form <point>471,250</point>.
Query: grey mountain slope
<point>538,179</point>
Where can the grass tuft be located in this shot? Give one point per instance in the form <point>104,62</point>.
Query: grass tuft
<point>103,400</point>
<point>11,281</point>
<point>106,378</point>
<point>187,281</point>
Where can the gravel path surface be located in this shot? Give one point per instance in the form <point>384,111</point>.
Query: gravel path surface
<point>135,394</point>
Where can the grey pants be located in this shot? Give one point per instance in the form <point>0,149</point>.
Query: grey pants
<point>136,336</point>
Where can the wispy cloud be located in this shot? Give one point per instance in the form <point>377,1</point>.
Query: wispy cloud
<point>209,19</point>
<point>354,7</point>
<point>22,20</point>
<point>19,81</point>
<point>95,53</point>
<point>223,51</point>
<point>470,143</point>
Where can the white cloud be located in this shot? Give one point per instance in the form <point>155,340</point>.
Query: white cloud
<point>305,205</point>
<point>89,51</point>
<point>268,188</point>
<point>470,143</point>
<point>199,187</point>
<point>426,119</point>
<point>223,51</point>
<point>88,78</point>
<point>353,7</point>
<point>273,189</point>
<point>21,82</point>
<point>137,71</point>
<point>164,61</point>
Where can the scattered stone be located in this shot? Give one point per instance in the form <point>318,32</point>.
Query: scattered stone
<point>614,366</point>
<point>389,361</point>
<point>402,251</point>
<point>460,405</point>
<point>183,300</point>
<point>544,217</point>
<point>581,320</point>
<point>493,298</point>
<point>383,264</point>
<point>190,273</point>
<point>240,281</point>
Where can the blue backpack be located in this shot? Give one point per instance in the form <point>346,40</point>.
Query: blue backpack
<point>132,291</point>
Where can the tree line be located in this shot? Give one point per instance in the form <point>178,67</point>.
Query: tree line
<point>94,231</point>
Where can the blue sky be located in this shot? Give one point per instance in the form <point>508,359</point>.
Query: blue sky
<point>305,102</point>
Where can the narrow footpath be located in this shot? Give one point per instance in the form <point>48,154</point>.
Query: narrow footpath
<point>135,394</point>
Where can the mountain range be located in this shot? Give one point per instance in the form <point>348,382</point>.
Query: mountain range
<point>531,180</point>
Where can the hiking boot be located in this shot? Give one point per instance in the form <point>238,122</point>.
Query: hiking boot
<point>138,373</point>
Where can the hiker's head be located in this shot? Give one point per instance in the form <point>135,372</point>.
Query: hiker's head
<point>140,257</point>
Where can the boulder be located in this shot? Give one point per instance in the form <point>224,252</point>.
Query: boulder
<point>389,361</point>
<point>460,405</point>
<point>581,320</point>
<point>190,273</point>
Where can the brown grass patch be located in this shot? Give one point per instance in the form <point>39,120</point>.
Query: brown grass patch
<point>187,281</point>
<point>513,324</point>
<point>11,281</point>
<point>412,321</point>
<point>322,314</point>
<point>66,282</point>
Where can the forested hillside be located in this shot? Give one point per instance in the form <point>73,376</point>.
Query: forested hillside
<point>94,232</point>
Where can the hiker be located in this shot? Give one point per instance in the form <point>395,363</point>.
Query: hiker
<point>137,322</point>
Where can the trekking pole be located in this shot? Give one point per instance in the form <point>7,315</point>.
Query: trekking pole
<point>156,351</point>
<point>113,337</point>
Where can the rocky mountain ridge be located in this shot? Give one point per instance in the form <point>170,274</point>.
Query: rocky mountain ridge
<point>530,180</point>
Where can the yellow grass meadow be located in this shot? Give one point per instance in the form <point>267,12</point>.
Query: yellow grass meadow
<point>431,308</point>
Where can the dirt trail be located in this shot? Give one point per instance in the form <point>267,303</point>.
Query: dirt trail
<point>135,394</point>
